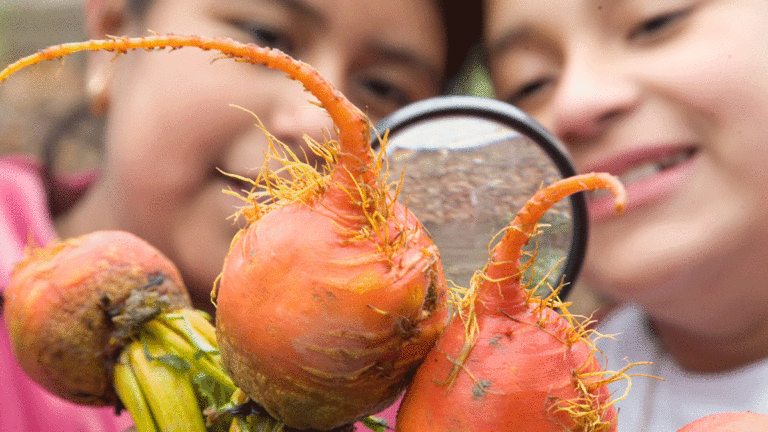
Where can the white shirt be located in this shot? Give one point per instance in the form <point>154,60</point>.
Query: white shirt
<point>653,405</point>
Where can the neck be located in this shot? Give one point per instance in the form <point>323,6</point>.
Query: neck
<point>711,354</point>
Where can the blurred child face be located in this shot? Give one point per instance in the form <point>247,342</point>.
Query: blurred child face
<point>671,96</point>
<point>171,125</point>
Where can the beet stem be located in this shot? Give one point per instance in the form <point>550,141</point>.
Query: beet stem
<point>502,273</point>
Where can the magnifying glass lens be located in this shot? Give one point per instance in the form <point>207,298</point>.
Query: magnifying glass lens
<point>468,185</point>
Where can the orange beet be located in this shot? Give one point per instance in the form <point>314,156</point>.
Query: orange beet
<point>328,328</point>
<point>508,360</point>
<point>729,422</point>
<point>70,307</point>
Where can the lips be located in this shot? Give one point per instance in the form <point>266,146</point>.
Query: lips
<point>647,175</point>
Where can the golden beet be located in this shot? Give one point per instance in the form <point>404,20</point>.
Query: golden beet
<point>70,307</point>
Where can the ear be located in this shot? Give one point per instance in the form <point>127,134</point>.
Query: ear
<point>105,17</point>
<point>102,18</point>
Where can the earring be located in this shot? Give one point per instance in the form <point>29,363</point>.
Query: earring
<point>97,90</point>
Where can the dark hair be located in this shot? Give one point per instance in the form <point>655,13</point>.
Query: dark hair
<point>463,23</point>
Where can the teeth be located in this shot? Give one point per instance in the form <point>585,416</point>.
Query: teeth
<point>652,168</point>
<point>646,170</point>
<point>675,159</point>
<point>641,172</point>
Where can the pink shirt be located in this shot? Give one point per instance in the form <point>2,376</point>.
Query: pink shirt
<point>24,406</point>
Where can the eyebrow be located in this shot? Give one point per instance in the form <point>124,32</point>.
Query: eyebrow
<point>509,39</point>
<point>403,55</point>
<point>305,10</point>
<point>517,34</point>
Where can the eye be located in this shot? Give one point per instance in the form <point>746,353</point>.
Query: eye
<point>658,26</point>
<point>386,91</point>
<point>529,91</point>
<point>379,97</point>
<point>264,36</point>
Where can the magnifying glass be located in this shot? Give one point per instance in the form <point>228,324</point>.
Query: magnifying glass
<point>470,164</point>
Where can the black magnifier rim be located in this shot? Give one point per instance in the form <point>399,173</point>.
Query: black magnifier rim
<point>513,117</point>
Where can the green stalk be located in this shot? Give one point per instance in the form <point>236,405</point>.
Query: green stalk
<point>167,387</point>
<point>129,390</point>
<point>206,361</point>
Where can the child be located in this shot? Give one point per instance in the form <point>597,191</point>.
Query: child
<point>671,97</point>
<point>170,126</point>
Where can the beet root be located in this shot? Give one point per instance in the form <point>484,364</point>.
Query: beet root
<point>60,304</point>
<point>337,334</point>
<point>729,422</point>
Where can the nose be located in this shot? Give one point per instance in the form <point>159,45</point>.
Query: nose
<point>296,114</point>
<point>593,93</point>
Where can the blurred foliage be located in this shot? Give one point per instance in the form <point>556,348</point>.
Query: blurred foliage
<point>473,79</point>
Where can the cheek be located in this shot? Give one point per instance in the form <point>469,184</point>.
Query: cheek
<point>721,94</point>
<point>168,131</point>
<point>200,239</point>
<point>730,109</point>
<point>718,71</point>
<point>170,123</point>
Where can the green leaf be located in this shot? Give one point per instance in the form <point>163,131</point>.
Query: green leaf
<point>215,395</point>
<point>376,424</point>
<point>171,360</point>
<point>198,341</point>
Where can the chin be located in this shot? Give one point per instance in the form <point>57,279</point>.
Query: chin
<point>640,276</point>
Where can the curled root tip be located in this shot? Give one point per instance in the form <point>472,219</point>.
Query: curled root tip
<point>620,207</point>
<point>617,189</point>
